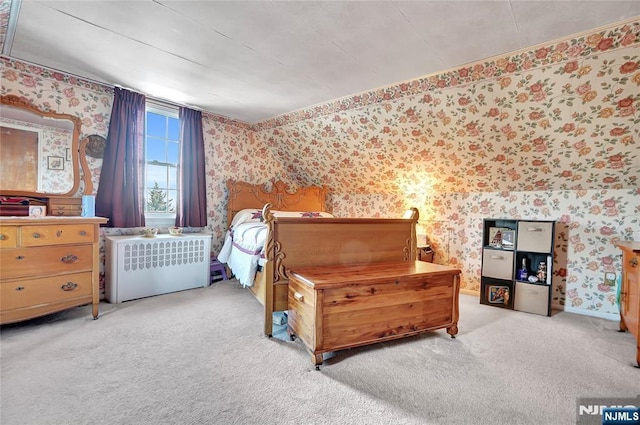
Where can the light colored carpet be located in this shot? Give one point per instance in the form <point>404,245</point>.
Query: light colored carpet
<point>198,357</point>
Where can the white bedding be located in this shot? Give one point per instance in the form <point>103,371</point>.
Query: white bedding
<point>243,249</point>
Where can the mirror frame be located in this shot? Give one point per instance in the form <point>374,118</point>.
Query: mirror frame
<point>18,102</point>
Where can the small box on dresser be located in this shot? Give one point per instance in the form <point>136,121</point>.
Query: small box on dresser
<point>65,206</point>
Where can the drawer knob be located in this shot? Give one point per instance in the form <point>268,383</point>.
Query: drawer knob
<point>83,233</point>
<point>20,288</point>
<point>298,296</point>
<point>59,233</point>
<point>69,286</point>
<point>69,259</point>
<point>634,262</point>
<point>19,257</point>
<point>36,235</point>
<point>3,237</point>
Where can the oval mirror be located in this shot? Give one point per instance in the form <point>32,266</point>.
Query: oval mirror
<point>39,150</point>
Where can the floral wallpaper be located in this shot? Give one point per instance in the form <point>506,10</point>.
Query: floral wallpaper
<point>233,152</point>
<point>54,91</point>
<point>548,133</point>
<point>569,125</point>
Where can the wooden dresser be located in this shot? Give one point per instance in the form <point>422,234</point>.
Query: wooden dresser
<point>339,307</point>
<point>630,292</point>
<point>48,264</point>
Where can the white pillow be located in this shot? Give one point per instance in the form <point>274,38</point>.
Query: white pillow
<point>247,216</point>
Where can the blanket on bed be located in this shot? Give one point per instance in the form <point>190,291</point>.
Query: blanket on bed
<point>243,249</point>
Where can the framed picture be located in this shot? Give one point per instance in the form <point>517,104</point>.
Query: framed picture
<point>67,154</point>
<point>508,239</point>
<point>55,163</point>
<point>495,236</point>
<point>498,294</point>
<point>37,211</point>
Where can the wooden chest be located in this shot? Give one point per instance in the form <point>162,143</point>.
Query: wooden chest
<point>339,307</point>
<point>48,264</point>
<point>630,292</point>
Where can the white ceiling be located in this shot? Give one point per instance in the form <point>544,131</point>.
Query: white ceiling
<point>253,60</point>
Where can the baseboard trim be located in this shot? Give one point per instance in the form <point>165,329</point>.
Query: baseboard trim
<point>557,308</point>
<point>584,312</point>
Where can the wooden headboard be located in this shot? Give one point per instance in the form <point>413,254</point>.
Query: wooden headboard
<point>244,195</point>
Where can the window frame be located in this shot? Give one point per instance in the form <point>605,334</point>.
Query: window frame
<point>154,219</point>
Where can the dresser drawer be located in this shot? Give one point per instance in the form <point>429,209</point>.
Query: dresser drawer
<point>20,294</point>
<point>57,235</point>
<point>8,237</point>
<point>301,295</point>
<point>497,264</point>
<point>66,210</point>
<point>535,236</point>
<point>26,262</point>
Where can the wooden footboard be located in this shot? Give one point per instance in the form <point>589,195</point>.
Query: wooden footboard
<point>296,242</point>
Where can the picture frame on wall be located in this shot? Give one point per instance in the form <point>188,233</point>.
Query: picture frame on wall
<point>55,163</point>
<point>67,154</point>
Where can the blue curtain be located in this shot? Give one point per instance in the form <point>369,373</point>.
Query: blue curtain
<point>192,196</point>
<point>119,197</point>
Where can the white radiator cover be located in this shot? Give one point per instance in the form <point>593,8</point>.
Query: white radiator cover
<point>138,267</point>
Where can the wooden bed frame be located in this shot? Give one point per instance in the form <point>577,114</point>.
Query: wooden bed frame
<point>300,242</point>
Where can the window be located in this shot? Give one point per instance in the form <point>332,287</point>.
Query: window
<point>162,157</point>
